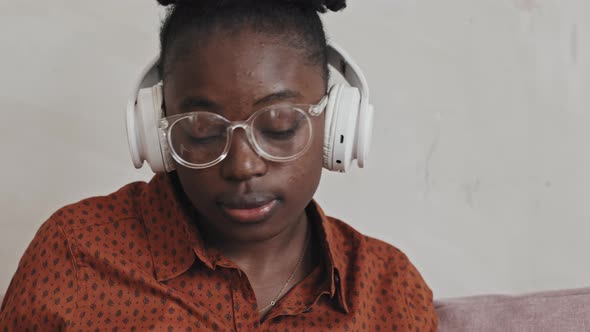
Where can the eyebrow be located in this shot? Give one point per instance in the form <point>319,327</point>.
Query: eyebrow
<point>277,96</point>
<point>204,103</point>
<point>198,102</point>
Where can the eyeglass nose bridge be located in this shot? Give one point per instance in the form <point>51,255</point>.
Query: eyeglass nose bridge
<point>240,124</point>
<point>244,125</point>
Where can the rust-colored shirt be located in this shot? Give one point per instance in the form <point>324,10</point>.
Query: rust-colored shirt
<point>133,261</point>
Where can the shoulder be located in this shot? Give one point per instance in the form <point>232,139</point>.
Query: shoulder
<point>98,229</point>
<point>368,252</point>
<point>380,271</point>
<point>93,211</point>
<point>48,273</point>
<point>106,229</point>
<point>69,226</point>
<point>366,246</point>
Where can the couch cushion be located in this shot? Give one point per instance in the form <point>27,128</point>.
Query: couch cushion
<point>561,311</point>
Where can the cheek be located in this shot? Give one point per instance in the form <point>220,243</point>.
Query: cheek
<point>193,182</point>
<point>305,172</point>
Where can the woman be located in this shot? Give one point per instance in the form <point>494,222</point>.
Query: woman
<point>231,240</point>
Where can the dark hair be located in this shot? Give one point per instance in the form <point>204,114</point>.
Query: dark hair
<point>297,19</point>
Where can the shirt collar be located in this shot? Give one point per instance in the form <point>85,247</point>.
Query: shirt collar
<point>175,242</point>
<point>335,259</point>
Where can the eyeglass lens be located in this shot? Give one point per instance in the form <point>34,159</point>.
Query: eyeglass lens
<point>280,132</point>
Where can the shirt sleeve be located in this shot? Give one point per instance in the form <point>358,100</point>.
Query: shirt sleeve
<point>42,292</point>
<point>419,301</point>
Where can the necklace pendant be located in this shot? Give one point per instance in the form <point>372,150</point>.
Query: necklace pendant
<point>272,303</point>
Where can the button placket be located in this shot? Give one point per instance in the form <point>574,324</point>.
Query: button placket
<point>246,317</point>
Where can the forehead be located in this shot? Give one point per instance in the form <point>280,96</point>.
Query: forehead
<point>240,68</point>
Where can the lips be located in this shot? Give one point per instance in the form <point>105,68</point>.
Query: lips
<point>250,207</point>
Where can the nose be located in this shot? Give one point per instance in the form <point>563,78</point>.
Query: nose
<point>242,162</point>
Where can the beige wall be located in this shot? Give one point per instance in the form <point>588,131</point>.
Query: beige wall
<point>480,164</point>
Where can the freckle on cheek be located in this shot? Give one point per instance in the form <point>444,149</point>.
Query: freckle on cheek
<point>294,178</point>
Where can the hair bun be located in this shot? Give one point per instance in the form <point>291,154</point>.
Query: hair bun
<point>167,2</point>
<point>324,5</point>
<point>321,6</point>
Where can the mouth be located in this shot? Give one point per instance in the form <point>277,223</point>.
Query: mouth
<point>249,208</point>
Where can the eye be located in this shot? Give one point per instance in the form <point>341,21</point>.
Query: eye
<point>202,129</point>
<point>279,135</point>
<point>203,140</point>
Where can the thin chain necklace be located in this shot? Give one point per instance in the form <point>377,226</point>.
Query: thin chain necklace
<point>274,301</point>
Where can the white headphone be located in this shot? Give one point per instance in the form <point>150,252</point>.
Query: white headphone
<point>347,136</point>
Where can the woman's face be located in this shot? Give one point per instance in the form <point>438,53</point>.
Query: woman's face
<point>245,197</point>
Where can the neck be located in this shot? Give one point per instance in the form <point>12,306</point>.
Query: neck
<point>266,255</point>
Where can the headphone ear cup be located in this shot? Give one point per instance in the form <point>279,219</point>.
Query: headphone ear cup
<point>329,129</point>
<point>151,141</point>
<point>340,136</point>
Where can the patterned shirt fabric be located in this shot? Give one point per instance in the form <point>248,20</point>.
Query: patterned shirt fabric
<point>134,261</point>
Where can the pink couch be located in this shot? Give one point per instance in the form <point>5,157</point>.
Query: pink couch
<point>557,311</point>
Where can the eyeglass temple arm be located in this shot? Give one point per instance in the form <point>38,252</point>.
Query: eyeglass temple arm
<point>316,110</point>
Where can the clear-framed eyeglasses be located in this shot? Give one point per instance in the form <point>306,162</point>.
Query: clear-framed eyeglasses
<point>278,133</point>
